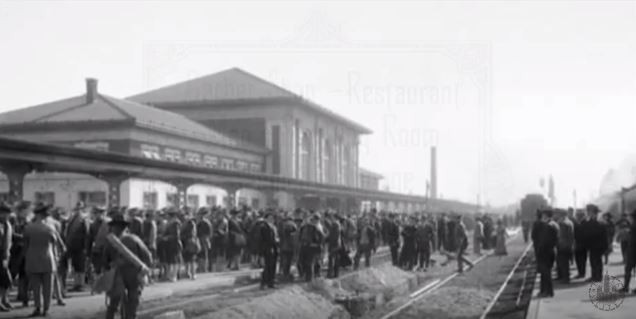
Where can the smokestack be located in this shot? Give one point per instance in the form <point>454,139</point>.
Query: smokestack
<point>433,172</point>
<point>91,90</point>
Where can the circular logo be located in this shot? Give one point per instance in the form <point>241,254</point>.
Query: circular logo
<point>607,295</point>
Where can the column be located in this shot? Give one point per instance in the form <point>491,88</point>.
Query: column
<point>270,198</point>
<point>114,182</point>
<point>231,190</point>
<point>182,191</point>
<point>15,175</point>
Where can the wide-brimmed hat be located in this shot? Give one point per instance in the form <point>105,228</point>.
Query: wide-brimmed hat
<point>118,220</point>
<point>99,209</point>
<point>42,209</point>
<point>203,211</point>
<point>78,206</point>
<point>593,208</point>
<point>4,209</point>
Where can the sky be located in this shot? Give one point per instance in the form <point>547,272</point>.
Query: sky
<point>508,91</point>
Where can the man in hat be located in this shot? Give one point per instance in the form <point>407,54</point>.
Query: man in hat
<point>565,245</point>
<point>76,238</point>
<point>334,244</point>
<point>630,263</point>
<point>97,238</point>
<point>129,278</point>
<point>393,238</point>
<point>311,239</point>
<point>366,243</point>
<point>544,239</point>
<point>40,240</point>
<point>204,232</point>
<point>596,241</point>
<point>424,240</point>
<point>6,236</point>
<point>16,263</point>
<point>408,254</point>
<point>269,250</point>
<point>288,230</point>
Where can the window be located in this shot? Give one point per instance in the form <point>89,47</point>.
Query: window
<point>193,201</point>
<point>255,168</point>
<point>45,197</point>
<point>210,161</point>
<point>150,151</point>
<point>99,146</point>
<point>193,158</point>
<point>4,197</point>
<point>242,201</point>
<point>173,155</point>
<point>227,163</point>
<point>92,198</point>
<point>210,200</point>
<point>172,199</point>
<point>241,166</point>
<point>150,200</point>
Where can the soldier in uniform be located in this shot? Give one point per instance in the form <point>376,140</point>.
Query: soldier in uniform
<point>16,262</point>
<point>269,250</point>
<point>173,245</point>
<point>365,242</point>
<point>190,244</point>
<point>288,230</point>
<point>408,254</point>
<point>129,278</point>
<point>424,239</point>
<point>76,237</point>
<point>334,245</point>
<point>478,236</point>
<point>461,244</point>
<point>393,238</point>
<point>565,246</point>
<point>204,232</point>
<point>219,240</point>
<point>96,238</point>
<point>150,237</point>
<point>311,239</point>
<point>237,241</point>
<point>441,231</point>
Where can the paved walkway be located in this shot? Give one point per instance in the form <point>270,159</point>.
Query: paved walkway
<point>573,300</point>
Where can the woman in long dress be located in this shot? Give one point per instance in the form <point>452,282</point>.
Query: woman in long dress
<point>500,248</point>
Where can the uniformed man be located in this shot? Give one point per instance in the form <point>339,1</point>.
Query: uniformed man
<point>129,278</point>
<point>544,239</point>
<point>478,236</point>
<point>408,255</point>
<point>596,241</point>
<point>393,238</point>
<point>441,231</point>
<point>424,242</point>
<point>311,239</point>
<point>333,245</point>
<point>288,230</point>
<point>97,237</point>
<point>365,241</point>
<point>269,250</point>
<point>76,239</point>
<point>461,244</point>
<point>204,232</point>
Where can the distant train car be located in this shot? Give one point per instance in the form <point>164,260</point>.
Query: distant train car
<point>529,206</point>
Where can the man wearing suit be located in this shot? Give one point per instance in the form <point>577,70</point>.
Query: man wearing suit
<point>545,237</point>
<point>596,241</point>
<point>76,238</point>
<point>40,239</point>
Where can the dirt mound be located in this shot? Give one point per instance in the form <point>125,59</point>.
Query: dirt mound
<point>378,279</point>
<point>451,302</point>
<point>293,302</point>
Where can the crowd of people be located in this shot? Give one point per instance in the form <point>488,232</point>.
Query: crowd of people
<point>562,237</point>
<point>42,245</point>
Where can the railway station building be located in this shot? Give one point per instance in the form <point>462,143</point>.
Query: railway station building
<point>231,120</point>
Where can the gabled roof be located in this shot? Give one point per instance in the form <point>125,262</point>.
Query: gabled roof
<point>106,108</point>
<point>232,85</point>
<point>364,171</point>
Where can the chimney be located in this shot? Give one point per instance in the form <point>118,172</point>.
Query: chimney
<point>91,90</point>
<point>433,172</point>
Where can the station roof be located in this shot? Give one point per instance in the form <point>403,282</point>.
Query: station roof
<point>364,171</point>
<point>232,85</point>
<point>103,108</point>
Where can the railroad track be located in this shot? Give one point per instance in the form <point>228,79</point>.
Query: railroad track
<point>436,284</point>
<point>514,295</point>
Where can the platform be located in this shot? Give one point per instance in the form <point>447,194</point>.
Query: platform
<point>573,300</point>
